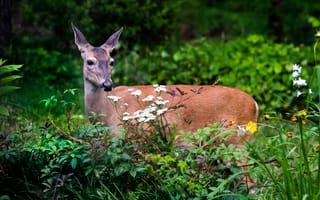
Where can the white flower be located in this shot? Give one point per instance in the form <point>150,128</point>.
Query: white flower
<point>150,109</point>
<point>114,98</point>
<point>127,118</point>
<point>299,93</point>
<point>296,68</point>
<point>162,111</point>
<point>241,131</point>
<point>148,98</point>
<point>310,91</point>
<point>158,102</point>
<point>136,93</point>
<point>160,88</point>
<point>295,74</point>
<point>150,118</point>
<point>126,113</point>
<point>300,82</point>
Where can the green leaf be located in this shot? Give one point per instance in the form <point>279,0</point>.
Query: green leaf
<point>74,163</point>
<point>124,167</point>
<point>6,89</point>
<point>9,79</point>
<point>4,111</point>
<point>9,68</point>
<point>133,172</point>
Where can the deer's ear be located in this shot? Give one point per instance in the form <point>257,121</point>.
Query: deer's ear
<point>79,38</point>
<point>112,40</point>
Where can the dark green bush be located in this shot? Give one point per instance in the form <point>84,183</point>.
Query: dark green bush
<point>50,68</point>
<point>146,22</point>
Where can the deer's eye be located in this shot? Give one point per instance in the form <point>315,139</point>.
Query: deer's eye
<point>111,63</point>
<point>90,62</point>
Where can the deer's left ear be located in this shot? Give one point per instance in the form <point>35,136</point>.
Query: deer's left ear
<point>112,40</point>
<point>79,38</point>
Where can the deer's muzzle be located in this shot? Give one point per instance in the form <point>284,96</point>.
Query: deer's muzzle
<point>107,86</point>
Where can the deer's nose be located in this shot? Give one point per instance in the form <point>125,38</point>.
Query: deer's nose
<point>107,86</point>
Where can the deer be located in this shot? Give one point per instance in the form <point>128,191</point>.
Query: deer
<point>202,104</point>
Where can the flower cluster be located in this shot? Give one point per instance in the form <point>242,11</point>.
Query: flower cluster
<point>159,88</point>
<point>152,111</point>
<point>297,80</point>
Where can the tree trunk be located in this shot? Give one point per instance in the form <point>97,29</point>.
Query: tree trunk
<point>5,25</point>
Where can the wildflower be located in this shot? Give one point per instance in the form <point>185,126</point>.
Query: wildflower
<point>310,91</point>
<point>293,119</point>
<point>126,113</point>
<point>300,82</point>
<point>150,118</point>
<point>266,117</point>
<point>241,131</point>
<point>299,93</point>
<point>148,98</point>
<point>151,108</point>
<point>318,34</point>
<point>159,102</point>
<point>136,93</point>
<point>160,88</point>
<point>295,74</point>
<point>127,118</point>
<point>114,98</point>
<point>162,111</point>
<point>289,134</point>
<point>302,113</point>
<point>251,127</point>
<point>296,68</point>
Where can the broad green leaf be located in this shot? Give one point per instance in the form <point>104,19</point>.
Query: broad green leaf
<point>74,163</point>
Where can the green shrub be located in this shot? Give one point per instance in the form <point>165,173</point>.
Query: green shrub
<point>49,68</point>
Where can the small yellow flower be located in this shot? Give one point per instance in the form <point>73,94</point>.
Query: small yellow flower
<point>318,34</point>
<point>304,122</point>
<point>251,127</point>
<point>302,113</point>
<point>266,117</point>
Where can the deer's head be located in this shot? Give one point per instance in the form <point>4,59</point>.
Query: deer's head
<point>97,62</point>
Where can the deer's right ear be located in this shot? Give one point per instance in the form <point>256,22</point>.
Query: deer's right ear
<point>79,38</point>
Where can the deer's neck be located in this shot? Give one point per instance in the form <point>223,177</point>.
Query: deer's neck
<point>96,102</point>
